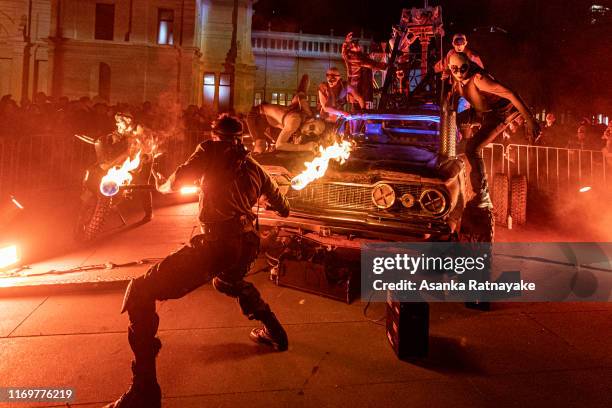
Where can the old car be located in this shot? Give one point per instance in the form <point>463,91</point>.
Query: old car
<point>402,181</point>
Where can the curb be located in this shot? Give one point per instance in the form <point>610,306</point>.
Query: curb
<point>69,286</point>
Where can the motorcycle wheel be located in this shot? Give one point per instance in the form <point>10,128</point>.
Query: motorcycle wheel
<point>91,218</point>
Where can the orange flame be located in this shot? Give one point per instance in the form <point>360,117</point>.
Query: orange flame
<point>118,176</point>
<point>316,169</point>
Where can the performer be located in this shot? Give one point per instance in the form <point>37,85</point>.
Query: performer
<point>290,120</point>
<point>231,182</point>
<point>491,103</point>
<point>459,45</point>
<point>126,140</point>
<point>334,94</point>
<point>359,67</point>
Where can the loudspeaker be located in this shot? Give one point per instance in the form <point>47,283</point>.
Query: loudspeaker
<point>408,328</point>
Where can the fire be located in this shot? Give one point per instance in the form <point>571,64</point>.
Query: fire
<point>316,169</point>
<point>8,256</point>
<point>118,176</point>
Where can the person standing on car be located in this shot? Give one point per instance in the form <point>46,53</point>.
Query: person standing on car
<point>491,103</point>
<point>231,182</point>
<point>359,67</point>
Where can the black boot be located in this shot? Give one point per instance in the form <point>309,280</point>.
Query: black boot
<point>271,334</point>
<point>144,391</point>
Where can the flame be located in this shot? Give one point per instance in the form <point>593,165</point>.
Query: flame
<point>8,256</point>
<point>118,176</point>
<point>189,190</point>
<point>316,169</point>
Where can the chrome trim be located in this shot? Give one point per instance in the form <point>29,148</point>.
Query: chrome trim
<point>380,187</point>
<point>440,194</point>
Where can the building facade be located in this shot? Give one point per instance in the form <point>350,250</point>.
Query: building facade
<point>144,50</point>
<point>282,59</point>
<point>128,51</point>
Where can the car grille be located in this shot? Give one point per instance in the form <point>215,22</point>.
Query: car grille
<point>356,197</point>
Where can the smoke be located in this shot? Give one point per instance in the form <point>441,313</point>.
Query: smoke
<point>574,215</point>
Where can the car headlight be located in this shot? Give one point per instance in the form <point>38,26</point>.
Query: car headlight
<point>383,196</point>
<point>407,200</point>
<point>433,201</point>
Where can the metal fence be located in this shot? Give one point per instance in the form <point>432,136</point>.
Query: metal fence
<point>53,161</point>
<point>551,168</point>
<point>49,161</point>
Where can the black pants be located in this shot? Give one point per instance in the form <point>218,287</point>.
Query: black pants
<point>226,259</point>
<point>491,125</point>
<point>145,177</point>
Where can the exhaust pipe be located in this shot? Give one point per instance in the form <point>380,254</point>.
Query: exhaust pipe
<point>448,133</point>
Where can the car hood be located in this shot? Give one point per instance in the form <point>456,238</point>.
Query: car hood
<point>368,163</point>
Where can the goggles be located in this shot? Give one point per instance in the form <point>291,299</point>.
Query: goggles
<point>463,68</point>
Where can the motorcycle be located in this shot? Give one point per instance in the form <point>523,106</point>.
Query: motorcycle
<point>97,202</point>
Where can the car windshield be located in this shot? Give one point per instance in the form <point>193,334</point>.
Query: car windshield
<point>395,129</point>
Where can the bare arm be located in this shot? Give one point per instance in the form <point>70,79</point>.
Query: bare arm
<point>330,109</point>
<point>488,84</point>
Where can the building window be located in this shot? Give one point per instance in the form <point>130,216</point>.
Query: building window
<point>209,88</point>
<point>309,45</point>
<point>335,47</point>
<point>290,44</point>
<point>105,21</point>
<point>165,26</point>
<point>326,47</point>
<point>281,99</point>
<point>259,43</point>
<point>274,98</point>
<point>258,99</point>
<point>304,46</point>
<point>313,101</point>
<point>316,47</point>
<point>224,92</point>
<point>104,81</point>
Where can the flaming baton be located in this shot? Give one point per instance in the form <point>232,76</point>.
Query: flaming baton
<point>316,169</point>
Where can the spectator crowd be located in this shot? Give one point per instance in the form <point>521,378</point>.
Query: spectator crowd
<point>94,117</point>
<point>583,135</point>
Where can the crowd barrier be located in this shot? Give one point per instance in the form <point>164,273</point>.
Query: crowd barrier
<point>48,161</point>
<point>551,168</point>
<point>55,161</point>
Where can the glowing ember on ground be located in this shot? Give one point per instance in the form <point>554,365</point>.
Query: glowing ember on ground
<point>8,256</point>
<point>188,190</point>
<point>118,176</point>
<point>317,168</point>
<point>585,189</point>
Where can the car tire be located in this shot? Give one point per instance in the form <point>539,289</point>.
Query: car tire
<point>500,198</point>
<point>518,200</point>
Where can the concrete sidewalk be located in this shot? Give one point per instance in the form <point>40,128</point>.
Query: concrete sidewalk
<point>518,355</point>
<point>118,245</point>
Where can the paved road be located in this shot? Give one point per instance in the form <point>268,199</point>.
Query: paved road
<point>527,355</point>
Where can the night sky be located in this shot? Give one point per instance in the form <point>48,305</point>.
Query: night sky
<point>547,49</point>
